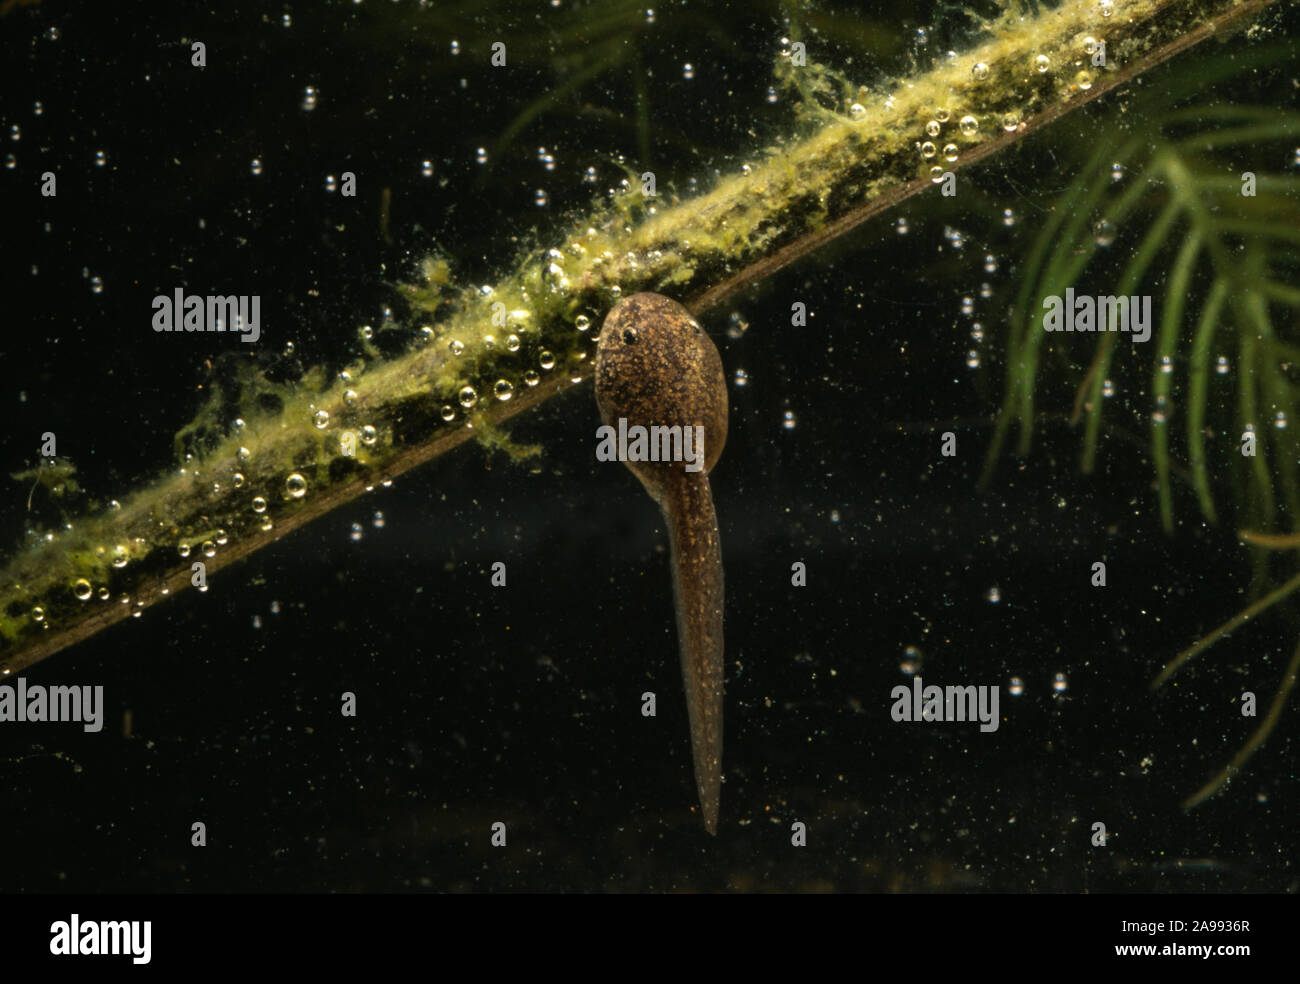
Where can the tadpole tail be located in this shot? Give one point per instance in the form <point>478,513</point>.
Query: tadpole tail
<point>697,597</point>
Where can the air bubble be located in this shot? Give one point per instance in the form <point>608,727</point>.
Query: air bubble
<point>81,589</point>
<point>950,152</point>
<point>209,548</point>
<point>467,397</point>
<point>857,112</point>
<point>503,390</point>
<point>932,128</point>
<point>530,378</point>
<point>120,556</point>
<point>456,346</point>
<point>1010,120</point>
<point>969,126</point>
<point>1042,64</point>
<point>259,505</point>
<point>183,549</point>
<point>1083,79</point>
<point>296,486</point>
<point>910,664</point>
<point>980,70</point>
<point>928,150</point>
<point>38,613</point>
<point>582,322</point>
<point>447,413</point>
<point>320,419</point>
<point>546,359</point>
<point>369,435</point>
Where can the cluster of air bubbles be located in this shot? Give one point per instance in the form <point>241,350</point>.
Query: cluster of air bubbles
<point>310,98</point>
<point>1103,233</point>
<point>736,326</point>
<point>547,158</point>
<point>977,332</point>
<point>956,238</point>
<point>589,175</point>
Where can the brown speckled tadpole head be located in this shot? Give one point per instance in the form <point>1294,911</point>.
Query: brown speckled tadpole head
<point>656,365</point>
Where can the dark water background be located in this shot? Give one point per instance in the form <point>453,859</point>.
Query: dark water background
<point>522,704</point>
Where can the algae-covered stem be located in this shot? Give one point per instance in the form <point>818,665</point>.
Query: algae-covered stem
<point>526,338</point>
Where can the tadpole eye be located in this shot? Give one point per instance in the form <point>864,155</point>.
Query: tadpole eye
<point>629,336</point>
